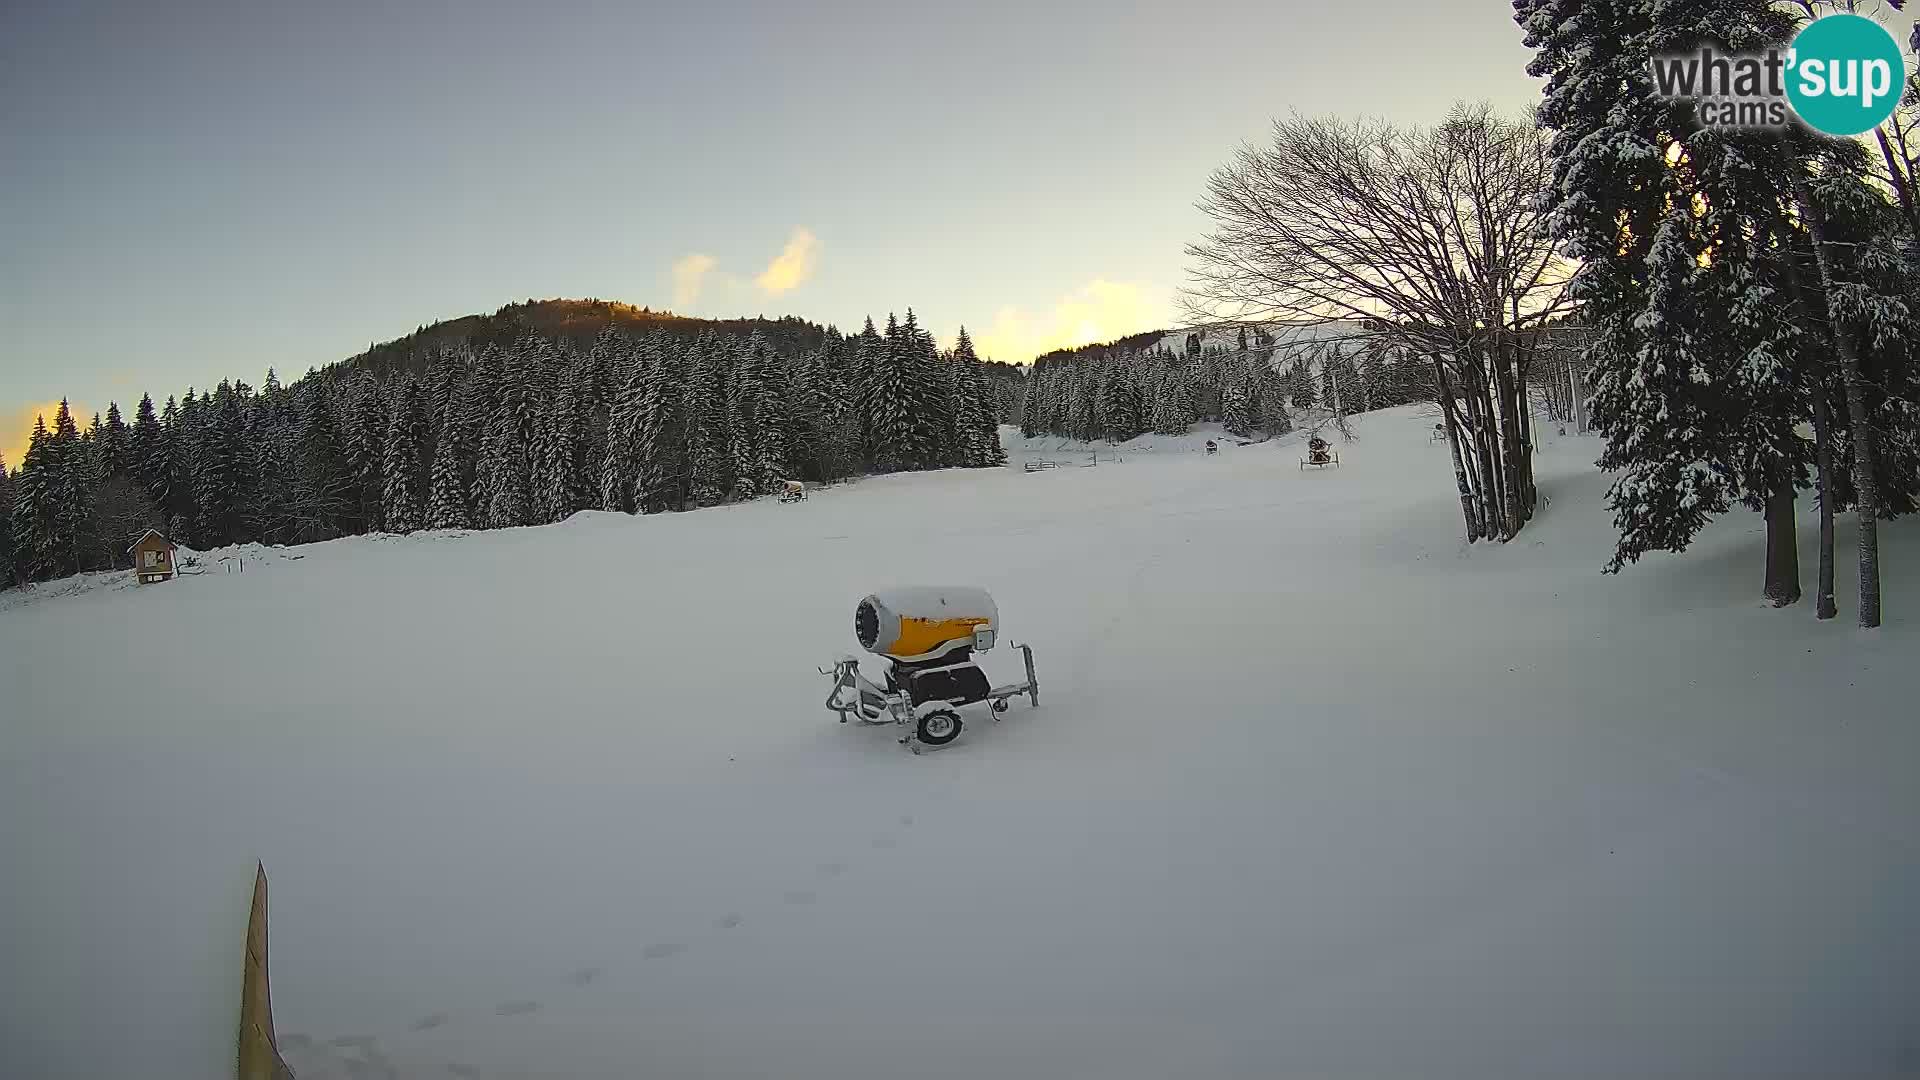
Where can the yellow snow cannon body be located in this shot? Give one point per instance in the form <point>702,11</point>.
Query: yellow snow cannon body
<point>923,622</point>
<point>927,634</point>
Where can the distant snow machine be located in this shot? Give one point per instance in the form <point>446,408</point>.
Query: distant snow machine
<point>1319,455</point>
<point>1212,448</point>
<point>793,491</point>
<point>928,635</point>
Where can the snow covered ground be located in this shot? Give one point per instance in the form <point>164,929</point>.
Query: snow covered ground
<point>1290,339</point>
<point>1313,790</point>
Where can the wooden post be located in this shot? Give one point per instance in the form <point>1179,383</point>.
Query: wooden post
<point>259,1056</point>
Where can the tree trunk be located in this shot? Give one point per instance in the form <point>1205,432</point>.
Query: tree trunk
<point>1520,421</point>
<point>1468,511</point>
<point>1823,606</point>
<point>1487,460</point>
<point>1573,391</point>
<point>1783,547</point>
<point>1529,493</point>
<point>1483,503</point>
<point>1513,457</point>
<point>1866,488</point>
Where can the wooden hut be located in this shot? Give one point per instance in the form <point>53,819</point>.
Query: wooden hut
<point>152,556</point>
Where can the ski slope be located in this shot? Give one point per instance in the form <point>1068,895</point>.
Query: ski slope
<point>1340,337</point>
<point>1313,790</point>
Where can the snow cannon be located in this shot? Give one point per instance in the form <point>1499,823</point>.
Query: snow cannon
<point>920,623</point>
<point>927,635</point>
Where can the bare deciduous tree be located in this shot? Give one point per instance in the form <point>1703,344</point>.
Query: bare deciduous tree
<point>121,511</point>
<point>1899,142</point>
<point>1428,236</point>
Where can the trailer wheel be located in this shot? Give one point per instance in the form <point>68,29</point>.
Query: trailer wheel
<point>999,705</point>
<point>938,728</point>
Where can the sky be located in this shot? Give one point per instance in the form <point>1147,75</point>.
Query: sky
<point>191,190</point>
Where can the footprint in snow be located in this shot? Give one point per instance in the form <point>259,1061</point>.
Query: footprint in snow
<point>426,1022</point>
<point>906,819</point>
<point>294,1040</point>
<point>466,1071</point>
<point>659,952</point>
<point>884,841</point>
<point>350,1040</point>
<point>833,869</point>
<point>728,922</point>
<point>799,896</point>
<point>516,1008</point>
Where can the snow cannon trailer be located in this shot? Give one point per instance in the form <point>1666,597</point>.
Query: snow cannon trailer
<point>927,635</point>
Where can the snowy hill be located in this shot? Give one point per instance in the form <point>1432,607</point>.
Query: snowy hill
<point>1336,336</point>
<point>1313,790</point>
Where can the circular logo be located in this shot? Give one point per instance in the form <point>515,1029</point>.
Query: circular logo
<point>1845,74</point>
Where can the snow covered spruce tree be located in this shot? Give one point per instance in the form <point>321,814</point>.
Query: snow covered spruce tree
<point>363,428</point>
<point>890,401</point>
<point>804,379</point>
<point>110,446</point>
<point>587,376</point>
<point>402,470</point>
<point>10,575</point>
<point>1272,417</point>
<point>927,419</point>
<point>184,448</point>
<point>710,471</point>
<point>272,461</point>
<point>447,487</point>
<point>60,522</point>
<point>1170,415</point>
<point>978,418</point>
<point>219,470</point>
<point>33,520</point>
<point>619,461</point>
<point>657,427</point>
<point>756,417</point>
<point>502,499</point>
<point>1709,311</point>
<point>323,494</point>
<point>554,473</point>
<point>836,416</point>
<point>1627,216</point>
<point>167,470</point>
<point>1037,408</point>
<point>866,353</point>
<point>1240,398</point>
<point>1118,401</point>
<point>147,451</point>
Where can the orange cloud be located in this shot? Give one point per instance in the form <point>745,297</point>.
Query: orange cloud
<point>689,276</point>
<point>792,267</point>
<point>16,427</point>
<point>1100,310</point>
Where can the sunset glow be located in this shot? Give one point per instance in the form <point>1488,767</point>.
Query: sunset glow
<point>16,427</point>
<point>1098,311</point>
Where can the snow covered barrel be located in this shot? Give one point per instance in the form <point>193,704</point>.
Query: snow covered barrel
<point>919,621</point>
